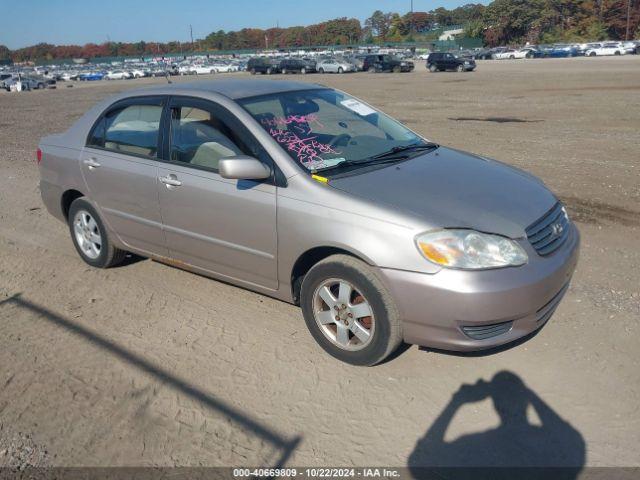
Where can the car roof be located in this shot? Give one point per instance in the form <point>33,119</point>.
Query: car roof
<point>232,88</point>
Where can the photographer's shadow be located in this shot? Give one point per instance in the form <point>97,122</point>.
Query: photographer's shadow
<point>514,443</point>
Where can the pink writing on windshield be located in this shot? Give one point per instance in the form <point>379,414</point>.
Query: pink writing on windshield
<point>308,150</point>
<point>284,121</point>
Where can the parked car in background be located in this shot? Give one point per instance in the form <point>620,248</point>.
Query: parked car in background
<point>631,47</point>
<point>334,65</point>
<point>357,61</point>
<point>608,48</point>
<point>380,235</point>
<point>138,73</point>
<point>483,54</point>
<point>297,65</point>
<point>221,67</point>
<point>23,83</point>
<point>117,75</point>
<point>442,61</point>
<point>386,63</point>
<point>203,69</point>
<point>185,69</point>
<point>559,51</point>
<point>583,47</point>
<point>3,78</point>
<point>91,76</point>
<point>505,54</point>
<point>263,65</point>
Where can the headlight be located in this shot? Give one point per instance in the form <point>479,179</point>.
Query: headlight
<point>470,250</point>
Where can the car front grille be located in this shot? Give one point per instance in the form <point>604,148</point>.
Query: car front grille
<point>548,233</point>
<point>482,332</point>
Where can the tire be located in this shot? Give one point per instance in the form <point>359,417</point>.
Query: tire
<point>433,68</point>
<point>253,71</point>
<point>512,57</point>
<point>321,71</point>
<point>384,328</point>
<point>617,53</point>
<point>371,69</point>
<point>397,69</point>
<point>40,86</point>
<point>269,71</point>
<point>340,70</point>
<point>303,71</point>
<point>107,255</point>
<point>460,68</point>
<point>592,54</point>
<point>284,71</point>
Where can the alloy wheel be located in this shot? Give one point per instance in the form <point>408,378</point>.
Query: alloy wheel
<point>343,314</point>
<point>87,234</point>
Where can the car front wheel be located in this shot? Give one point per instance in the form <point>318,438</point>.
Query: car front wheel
<point>349,312</point>
<point>90,236</point>
<point>433,68</point>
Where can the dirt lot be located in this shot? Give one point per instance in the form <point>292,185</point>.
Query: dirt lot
<point>149,365</point>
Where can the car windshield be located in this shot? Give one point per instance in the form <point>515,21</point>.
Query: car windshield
<point>323,128</point>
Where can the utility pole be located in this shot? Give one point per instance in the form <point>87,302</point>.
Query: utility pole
<point>411,31</point>
<point>626,35</point>
<point>191,33</point>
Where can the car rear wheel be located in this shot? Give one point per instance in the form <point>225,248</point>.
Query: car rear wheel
<point>340,70</point>
<point>303,71</point>
<point>592,54</point>
<point>433,68</point>
<point>349,312</point>
<point>460,68</point>
<point>284,71</point>
<point>269,71</point>
<point>90,236</point>
<point>321,70</point>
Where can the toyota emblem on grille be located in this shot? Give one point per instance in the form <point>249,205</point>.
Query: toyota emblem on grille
<point>556,229</point>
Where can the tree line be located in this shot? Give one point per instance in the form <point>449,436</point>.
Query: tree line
<point>502,22</point>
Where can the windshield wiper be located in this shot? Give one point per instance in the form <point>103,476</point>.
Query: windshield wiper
<point>405,148</point>
<point>396,154</point>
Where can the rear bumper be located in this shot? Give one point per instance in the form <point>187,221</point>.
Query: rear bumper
<point>466,310</point>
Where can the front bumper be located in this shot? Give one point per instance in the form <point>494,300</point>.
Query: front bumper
<point>494,307</point>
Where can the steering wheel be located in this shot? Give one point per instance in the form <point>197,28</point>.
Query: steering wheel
<point>339,138</point>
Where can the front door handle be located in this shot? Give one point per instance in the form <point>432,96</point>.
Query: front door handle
<point>170,181</point>
<point>91,163</point>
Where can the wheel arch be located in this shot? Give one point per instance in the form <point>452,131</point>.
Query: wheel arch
<point>311,257</point>
<point>67,199</point>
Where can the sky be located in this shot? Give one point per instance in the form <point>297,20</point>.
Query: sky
<point>64,22</point>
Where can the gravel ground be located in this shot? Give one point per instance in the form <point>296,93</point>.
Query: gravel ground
<point>149,365</point>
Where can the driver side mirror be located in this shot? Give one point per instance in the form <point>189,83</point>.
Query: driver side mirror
<point>243,167</point>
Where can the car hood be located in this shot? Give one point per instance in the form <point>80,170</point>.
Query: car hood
<point>449,188</point>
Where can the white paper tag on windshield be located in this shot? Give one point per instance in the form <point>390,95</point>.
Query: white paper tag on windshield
<point>358,107</point>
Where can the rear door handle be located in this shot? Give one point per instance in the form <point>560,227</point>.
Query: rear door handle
<point>91,163</point>
<point>170,181</point>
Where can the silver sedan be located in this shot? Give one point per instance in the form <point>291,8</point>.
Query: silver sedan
<point>309,195</point>
<point>334,65</point>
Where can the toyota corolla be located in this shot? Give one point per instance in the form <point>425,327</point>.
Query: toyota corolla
<point>309,195</point>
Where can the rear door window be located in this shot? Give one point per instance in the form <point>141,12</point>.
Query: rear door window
<point>133,128</point>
